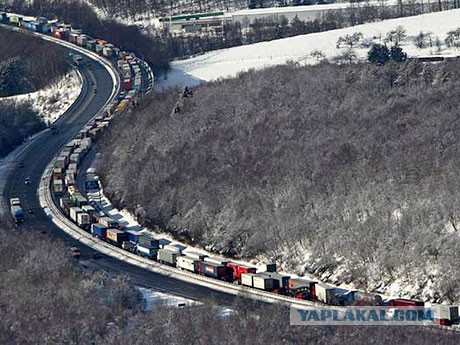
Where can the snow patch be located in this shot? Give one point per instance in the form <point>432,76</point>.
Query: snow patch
<point>54,100</point>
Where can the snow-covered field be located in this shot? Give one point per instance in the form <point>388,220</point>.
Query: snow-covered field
<point>54,100</point>
<point>229,62</point>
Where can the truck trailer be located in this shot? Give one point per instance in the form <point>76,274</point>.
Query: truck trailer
<point>215,271</point>
<point>99,230</point>
<point>187,263</point>
<point>116,237</point>
<point>168,257</point>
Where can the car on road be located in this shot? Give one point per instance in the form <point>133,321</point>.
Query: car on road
<point>97,255</point>
<point>30,211</point>
<point>21,165</point>
<point>27,180</point>
<point>75,252</point>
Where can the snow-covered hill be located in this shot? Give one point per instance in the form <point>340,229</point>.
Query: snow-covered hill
<point>229,62</point>
<point>53,101</point>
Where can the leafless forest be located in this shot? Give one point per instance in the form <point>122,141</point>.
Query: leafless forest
<point>47,298</point>
<point>28,63</point>
<point>326,167</point>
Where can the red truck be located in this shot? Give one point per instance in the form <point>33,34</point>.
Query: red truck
<point>402,302</point>
<point>238,270</point>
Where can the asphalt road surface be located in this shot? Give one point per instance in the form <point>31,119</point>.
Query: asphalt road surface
<point>35,159</point>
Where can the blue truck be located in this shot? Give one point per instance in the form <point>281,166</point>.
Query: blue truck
<point>146,251</point>
<point>99,230</point>
<point>133,235</point>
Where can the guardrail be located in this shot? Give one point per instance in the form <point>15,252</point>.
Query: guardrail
<point>87,239</point>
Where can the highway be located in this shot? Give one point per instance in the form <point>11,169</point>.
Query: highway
<point>35,159</point>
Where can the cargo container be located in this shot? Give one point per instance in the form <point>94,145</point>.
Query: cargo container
<point>74,211</point>
<point>115,236</point>
<point>91,44</point>
<point>148,242</point>
<point>99,230</point>
<point>99,48</point>
<point>109,222</point>
<point>73,38</point>
<point>247,279</point>
<point>75,158</point>
<point>107,52</point>
<point>61,162</point>
<point>86,143</point>
<point>58,187</point>
<point>262,282</point>
<point>325,293</point>
<point>57,174</point>
<point>188,263</point>
<point>82,40</point>
<point>133,235</point>
<point>196,255</point>
<point>127,84</point>
<point>70,179</point>
<point>402,302</point>
<point>214,271</point>
<point>282,281</point>
<point>148,252</point>
<point>91,212</point>
<point>216,260</point>
<point>168,257</point>
<point>79,200</point>
<point>73,168</point>
<point>83,220</point>
<point>15,20</point>
<point>239,269</point>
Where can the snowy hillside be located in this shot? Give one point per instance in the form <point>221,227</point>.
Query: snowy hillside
<point>53,101</point>
<point>229,62</point>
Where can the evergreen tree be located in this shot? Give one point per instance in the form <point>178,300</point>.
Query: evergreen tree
<point>397,54</point>
<point>378,54</point>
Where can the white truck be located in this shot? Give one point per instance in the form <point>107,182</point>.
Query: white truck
<point>187,263</point>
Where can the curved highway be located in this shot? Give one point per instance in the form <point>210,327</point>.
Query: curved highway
<point>43,149</point>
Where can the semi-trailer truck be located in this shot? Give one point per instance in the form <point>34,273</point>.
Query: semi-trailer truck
<point>17,214</point>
